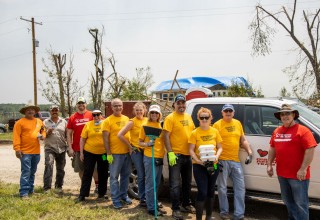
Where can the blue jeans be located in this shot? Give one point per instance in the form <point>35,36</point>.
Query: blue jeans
<point>233,170</point>
<point>149,181</point>
<point>205,182</point>
<point>294,194</point>
<point>29,163</point>
<point>121,166</point>
<point>137,159</point>
<point>183,168</point>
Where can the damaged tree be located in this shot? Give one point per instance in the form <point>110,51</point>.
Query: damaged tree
<point>97,79</point>
<point>305,73</point>
<point>60,87</point>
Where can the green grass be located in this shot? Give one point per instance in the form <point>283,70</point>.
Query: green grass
<point>52,206</point>
<point>6,136</point>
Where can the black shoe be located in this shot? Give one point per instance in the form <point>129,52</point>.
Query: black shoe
<point>152,212</point>
<point>102,197</point>
<point>81,199</point>
<point>143,204</point>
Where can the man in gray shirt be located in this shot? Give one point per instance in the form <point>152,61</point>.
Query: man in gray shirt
<point>55,147</point>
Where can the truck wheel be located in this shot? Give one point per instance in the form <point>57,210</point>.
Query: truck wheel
<point>133,184</point>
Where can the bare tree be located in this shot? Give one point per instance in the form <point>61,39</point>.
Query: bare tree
<point>115,80</point>
<point>305,73</point>
<point>97,79</point>
<point>60,87</point>
<point>284,92</point>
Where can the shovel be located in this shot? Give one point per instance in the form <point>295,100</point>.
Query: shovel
<point>153,133</point>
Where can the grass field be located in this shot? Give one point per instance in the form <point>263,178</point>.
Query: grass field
<point>54,206</point>
<point>6,136</point>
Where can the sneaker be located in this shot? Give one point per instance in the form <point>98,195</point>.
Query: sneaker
<point>25,197</point>
<point>102,198</point>
<point>117,205</point>
<point>160,205</point>
<point>143,204</point>
<point>80,199</point>
<point>152,212</point>
<point>126,201</point>
<point>188,209</point>
<point>176,214</point>
<point>225,216</point>
<point>58,190</point>
<point>162,211</point>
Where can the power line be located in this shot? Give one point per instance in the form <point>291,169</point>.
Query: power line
<point>6,21</point>
<point>18,55</point>
<point>9,32</point>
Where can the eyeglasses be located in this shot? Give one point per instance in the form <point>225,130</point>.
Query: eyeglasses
<point>285,113</point>
<point>228,110</point>
<point>206,117</point>
<point>154,112</point>
<point>79,103</point>
<point>94,115</point>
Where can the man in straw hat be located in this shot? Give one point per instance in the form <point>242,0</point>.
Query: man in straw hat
<point>26,135</point>
<point>293,146</point>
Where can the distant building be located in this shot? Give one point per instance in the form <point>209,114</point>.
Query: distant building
<point>217,85</point>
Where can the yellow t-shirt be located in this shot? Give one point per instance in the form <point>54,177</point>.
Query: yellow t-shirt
<point>159,148</point>
<point>113,125</point>
<point>230,133</point>
<point>180,127</point>
<point>200,137</point>
<point>135,130</point>
<point>94,141</point>
<point>25,135</point>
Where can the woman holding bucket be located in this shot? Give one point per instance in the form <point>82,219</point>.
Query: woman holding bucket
<point>154,117</point>
<point>134,126</point>
<point>205,137</point>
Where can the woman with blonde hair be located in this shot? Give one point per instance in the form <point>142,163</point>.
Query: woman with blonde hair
<point>136,151</point>
<point>205,173</point>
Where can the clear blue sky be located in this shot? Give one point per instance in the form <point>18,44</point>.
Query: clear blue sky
<point>198,38</point>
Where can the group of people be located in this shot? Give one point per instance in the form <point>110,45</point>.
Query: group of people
<point>98,146</point>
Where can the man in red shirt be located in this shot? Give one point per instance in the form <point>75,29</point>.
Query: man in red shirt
<point>75,125</point>
<point>293,147</point>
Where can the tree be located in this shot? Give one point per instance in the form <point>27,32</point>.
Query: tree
<point>60,87</point>
<point>97,79</point>
<point>115,80</point>
<point>284,92</point>
<point>308,51</point>
<point>137,87</point>
<point>239,90</point>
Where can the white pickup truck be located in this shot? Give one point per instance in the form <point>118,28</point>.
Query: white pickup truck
<point>257,118</point>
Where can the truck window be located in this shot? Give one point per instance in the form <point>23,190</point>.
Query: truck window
<point>260,120</point>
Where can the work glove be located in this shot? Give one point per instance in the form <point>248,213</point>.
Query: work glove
<point>110,158</point>
<point>172,159</point>
<point>249,159</point>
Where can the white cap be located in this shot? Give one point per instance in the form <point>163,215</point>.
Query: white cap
<point>155,108</point>
<point>96,111</point>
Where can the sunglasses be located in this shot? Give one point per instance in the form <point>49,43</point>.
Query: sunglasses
<point>228,110</point>
<point>94,115</point>
<point>285,113</point>
<point>206,117</point>
<point>154,112</point>
<point>79,103</point>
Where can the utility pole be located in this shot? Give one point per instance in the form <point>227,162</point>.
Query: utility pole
<point>34,58</point>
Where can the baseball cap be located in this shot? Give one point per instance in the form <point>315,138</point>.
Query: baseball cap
<point>179,97</point>
<point>96,111</point>
<point>81,99</point>
<point>228,106</point>
<point>54,106</point>
<point>155,108</point>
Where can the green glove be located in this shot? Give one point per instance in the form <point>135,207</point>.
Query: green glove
<point>110,159</point>
<point>172,159</point>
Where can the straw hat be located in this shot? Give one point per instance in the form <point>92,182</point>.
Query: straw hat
<point>23,110</point>
<point>286,108</point>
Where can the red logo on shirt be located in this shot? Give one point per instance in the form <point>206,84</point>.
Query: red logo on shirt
<point>262,153</point>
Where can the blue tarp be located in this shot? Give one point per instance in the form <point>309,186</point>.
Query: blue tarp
<point>201,81</point>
